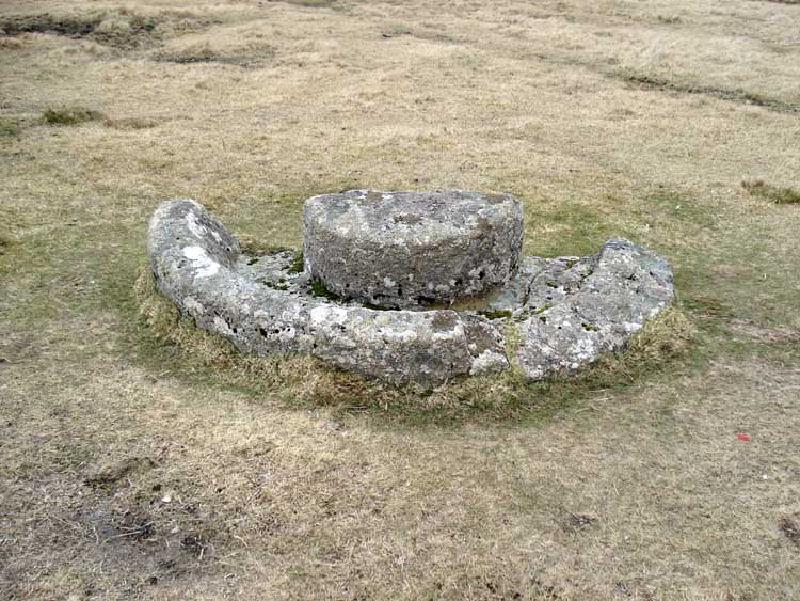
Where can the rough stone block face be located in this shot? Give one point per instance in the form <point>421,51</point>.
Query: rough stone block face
<point>409,249</point>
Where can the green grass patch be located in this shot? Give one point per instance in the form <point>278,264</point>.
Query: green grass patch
<point>780,196</point>
<point>119,28</point>
<point>298,264</point>
<point>581,229</point>
<point>9,127</point>
<point>678,208</point>
<point>74,26</point>
<point>707,307</point>
<point>71,116</point>
<point>319,290</point>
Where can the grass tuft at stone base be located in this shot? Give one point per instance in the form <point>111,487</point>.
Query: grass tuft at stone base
<point>664,339</point>
<point>304,382</point>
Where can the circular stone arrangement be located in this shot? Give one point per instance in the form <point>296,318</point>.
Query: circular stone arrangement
<point>409,249</point>
<point>544,317</point>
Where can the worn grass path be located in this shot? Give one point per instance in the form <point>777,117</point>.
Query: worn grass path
<point>134,466</point>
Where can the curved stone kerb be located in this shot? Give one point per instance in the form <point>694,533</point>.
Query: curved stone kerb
<point>623,287</point>
<point>194,260</point>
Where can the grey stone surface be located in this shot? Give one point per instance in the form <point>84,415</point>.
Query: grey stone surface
<point>409,249</point>
<point>567,310</point>
<point>578,308</point>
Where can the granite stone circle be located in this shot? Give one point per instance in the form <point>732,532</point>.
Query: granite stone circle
<point>542,317</point>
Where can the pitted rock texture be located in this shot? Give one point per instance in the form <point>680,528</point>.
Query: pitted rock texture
<point>578,308</point>
<point>197,264</point>
<point>411,249</point>
<point>566,310</point>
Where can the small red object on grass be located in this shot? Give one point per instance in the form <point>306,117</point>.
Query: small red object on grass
<point>743,436</point>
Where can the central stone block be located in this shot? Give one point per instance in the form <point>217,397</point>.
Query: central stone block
<point>412,249</point>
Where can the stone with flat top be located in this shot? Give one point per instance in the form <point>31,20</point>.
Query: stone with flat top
<point>412,249</point>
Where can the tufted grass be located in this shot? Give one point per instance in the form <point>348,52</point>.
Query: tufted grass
<point>140,458</point>
<point>70,116</point>
<point>9,128</point>
<point>780,196</point>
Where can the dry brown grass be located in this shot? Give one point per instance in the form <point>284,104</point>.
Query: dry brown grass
<point>286,480</point>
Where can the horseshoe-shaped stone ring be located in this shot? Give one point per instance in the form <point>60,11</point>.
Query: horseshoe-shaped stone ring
<point>409,287</point>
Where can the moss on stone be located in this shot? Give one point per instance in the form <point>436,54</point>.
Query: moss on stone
<point>297,264</point>
<point>495,314</point>
<point>319,290</point>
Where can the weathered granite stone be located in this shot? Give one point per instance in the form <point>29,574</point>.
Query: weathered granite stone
<point>409,249</point>
<point>197,264</point>
<point>568,310</point>
<point>580,308</point>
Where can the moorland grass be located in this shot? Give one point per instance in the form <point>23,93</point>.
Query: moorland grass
<point>289,479</point>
